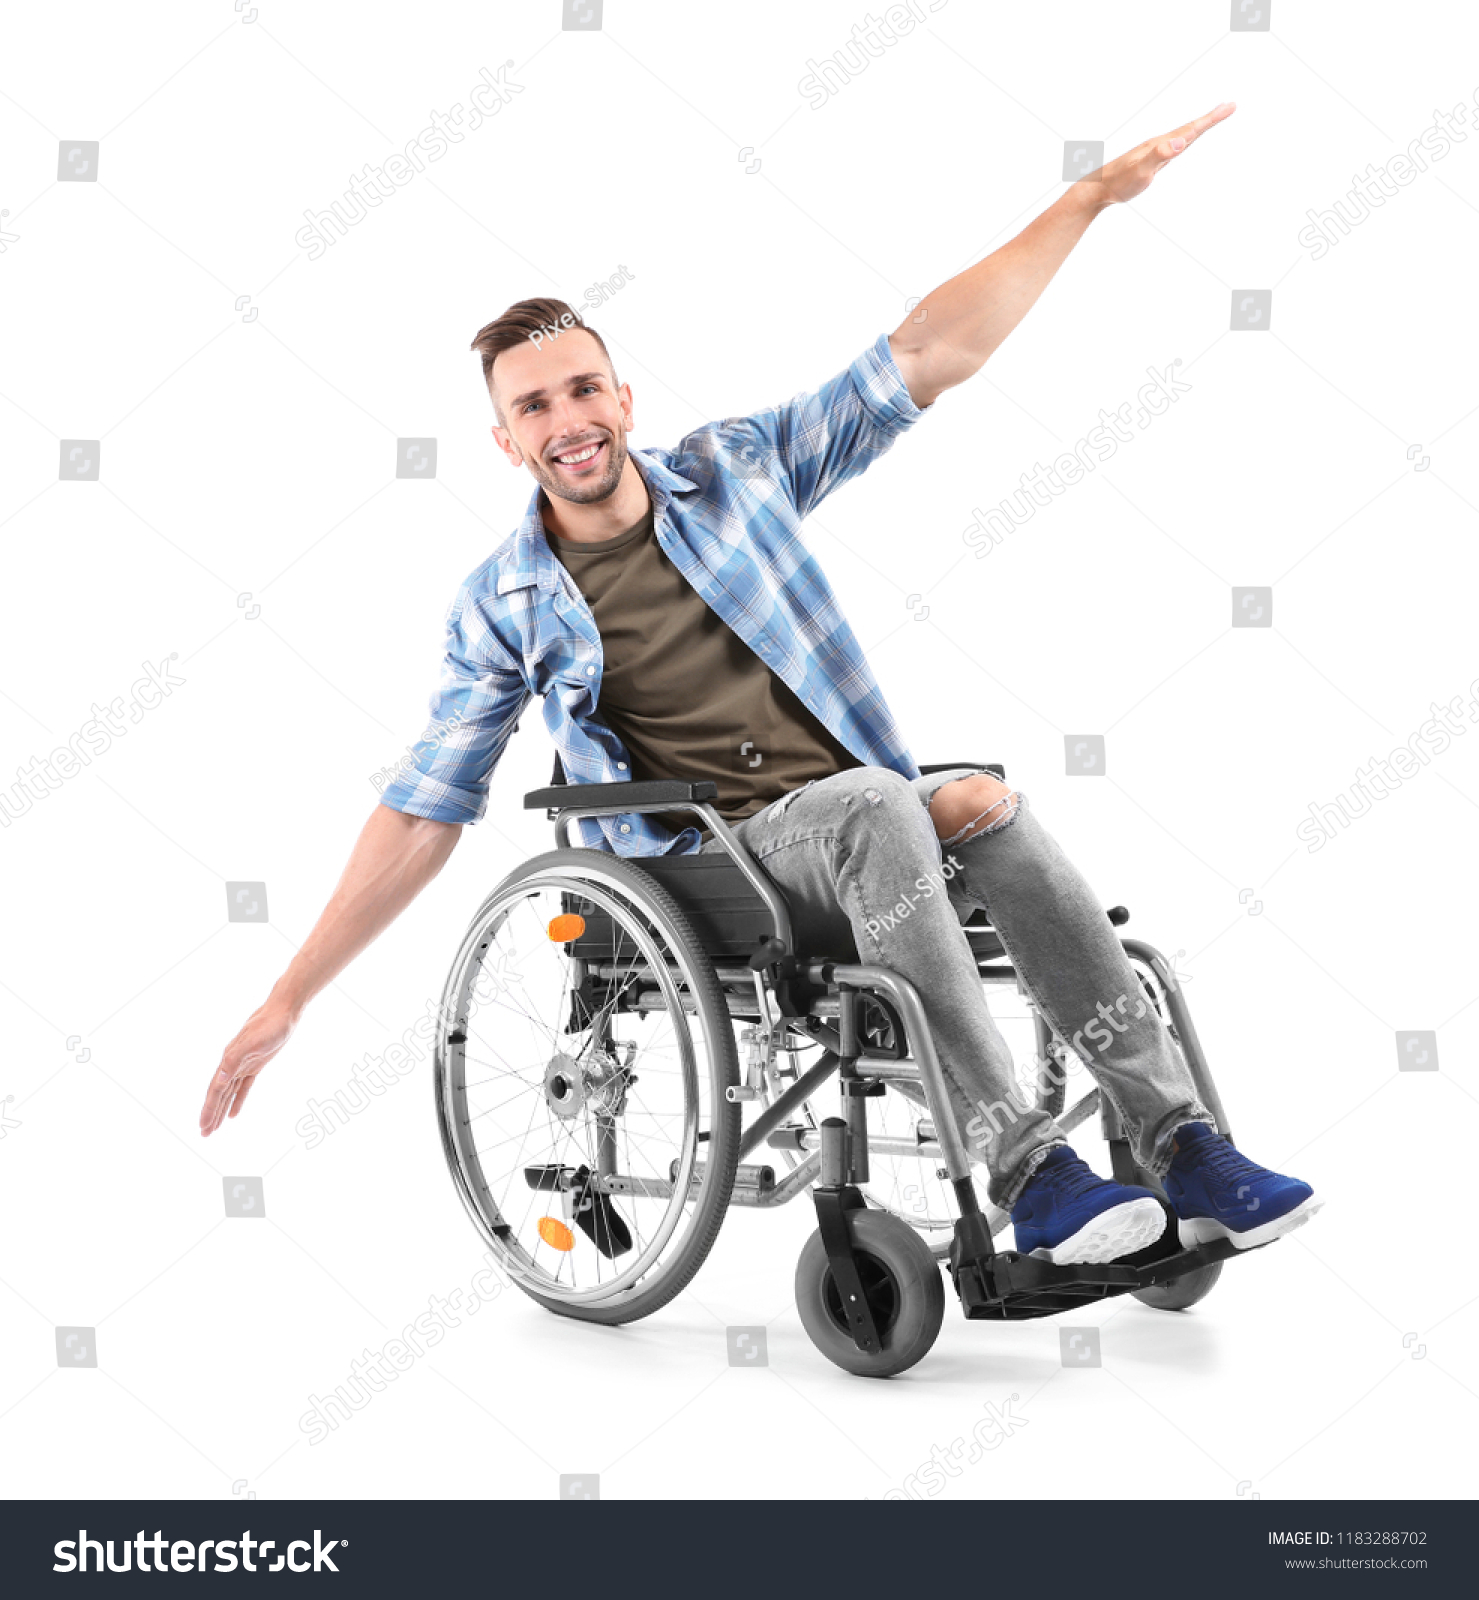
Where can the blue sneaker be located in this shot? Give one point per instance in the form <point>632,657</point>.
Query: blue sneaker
<point>1068,1214</point>
<point>1218,1193</point>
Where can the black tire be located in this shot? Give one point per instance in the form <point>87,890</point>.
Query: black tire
<point>905,1289</point>
<point>721,1151</point>
<point>1180,1293</point>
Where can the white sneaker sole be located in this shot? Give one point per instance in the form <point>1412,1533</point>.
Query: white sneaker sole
<point>1193,1231</point>
<point>1120,1231</point>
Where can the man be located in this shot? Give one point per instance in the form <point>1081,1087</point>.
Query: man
<point>664,608</point>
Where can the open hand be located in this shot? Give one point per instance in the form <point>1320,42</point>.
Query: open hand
<point>266,1031</point>
<point>1130,174</point>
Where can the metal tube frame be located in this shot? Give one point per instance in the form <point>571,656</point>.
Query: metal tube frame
<point>905,998</point>
<point>833,975</point>
<point>1191,1044</point>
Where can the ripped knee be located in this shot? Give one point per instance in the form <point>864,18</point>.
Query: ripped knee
<point>968,807</point>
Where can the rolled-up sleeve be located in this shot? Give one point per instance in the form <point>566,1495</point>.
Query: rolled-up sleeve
<point>474,710</point>
<point>822,437</point>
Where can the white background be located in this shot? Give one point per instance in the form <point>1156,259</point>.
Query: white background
<point>257,457</point>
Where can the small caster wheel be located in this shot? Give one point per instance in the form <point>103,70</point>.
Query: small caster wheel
<point>1181,1292</point>
<point>905,1291</point>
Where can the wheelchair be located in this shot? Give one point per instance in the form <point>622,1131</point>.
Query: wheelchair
<point>607,1020</point>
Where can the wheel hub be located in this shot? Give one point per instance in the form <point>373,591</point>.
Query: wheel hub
<point>564,1085</point>
<point>597,1081</point>
<point>879,1286</point>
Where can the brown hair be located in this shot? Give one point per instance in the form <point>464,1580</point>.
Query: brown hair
<point>522,320</point>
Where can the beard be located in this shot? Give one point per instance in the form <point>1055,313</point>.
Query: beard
<point>584,491</point>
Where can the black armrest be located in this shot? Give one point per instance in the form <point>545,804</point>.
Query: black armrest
<point>948,766</point>
<point>620,796</point>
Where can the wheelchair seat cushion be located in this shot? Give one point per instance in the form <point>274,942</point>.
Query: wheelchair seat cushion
<point>730,919</point>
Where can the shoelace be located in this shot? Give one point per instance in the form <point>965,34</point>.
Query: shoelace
<point>1072,1178</point>
<point>1226,1164</point>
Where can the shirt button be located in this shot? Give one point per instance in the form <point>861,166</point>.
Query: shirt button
<point>626,827</point>
<point>590,672</point>
<point>621,766</point>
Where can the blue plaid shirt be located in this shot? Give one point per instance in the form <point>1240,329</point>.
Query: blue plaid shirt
<point>727,503</point>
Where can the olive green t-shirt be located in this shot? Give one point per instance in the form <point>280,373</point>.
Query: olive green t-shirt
<point>682,691</point>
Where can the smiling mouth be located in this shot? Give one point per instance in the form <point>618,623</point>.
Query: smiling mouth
<point>581,459</point>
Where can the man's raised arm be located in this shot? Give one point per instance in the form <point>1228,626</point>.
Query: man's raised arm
<point>958,326</point>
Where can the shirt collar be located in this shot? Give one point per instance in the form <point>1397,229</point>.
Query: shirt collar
<point>533,563</point>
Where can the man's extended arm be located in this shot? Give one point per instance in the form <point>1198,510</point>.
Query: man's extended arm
<point>956,328</point>
<point>402,847</point>
<point>393,860</point>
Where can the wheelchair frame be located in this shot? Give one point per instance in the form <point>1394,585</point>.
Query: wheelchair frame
<point>809,995</point>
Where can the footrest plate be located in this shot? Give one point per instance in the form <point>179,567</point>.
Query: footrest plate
<point>1008,1287</point>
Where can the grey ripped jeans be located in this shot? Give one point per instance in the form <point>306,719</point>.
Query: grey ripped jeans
<point>859,850</point>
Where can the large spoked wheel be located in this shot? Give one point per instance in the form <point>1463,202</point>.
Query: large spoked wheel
<point>905,1290</point>
<point>583,1053</point>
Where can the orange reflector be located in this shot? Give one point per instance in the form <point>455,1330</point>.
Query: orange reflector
<point>564,928</point>
<point>556,1234</point>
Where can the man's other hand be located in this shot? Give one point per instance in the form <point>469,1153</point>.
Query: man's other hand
<point>960,325</point>
<point>267,1030</point>
<point>394,858</point>
<point>1130,174</point>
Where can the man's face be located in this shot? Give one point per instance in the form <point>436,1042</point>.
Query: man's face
<point>563,415</point>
